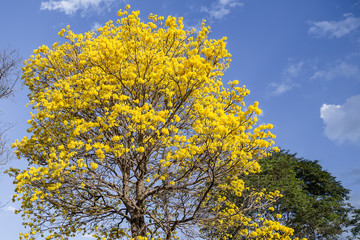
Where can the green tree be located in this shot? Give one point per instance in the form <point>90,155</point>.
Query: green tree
<point>355,224</point>
<point>314,203</point>
<point>133,132</point>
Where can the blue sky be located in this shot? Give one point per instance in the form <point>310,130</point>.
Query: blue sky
<point>300,60</point>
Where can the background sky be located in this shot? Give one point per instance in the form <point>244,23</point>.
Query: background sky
<point>300,60</point>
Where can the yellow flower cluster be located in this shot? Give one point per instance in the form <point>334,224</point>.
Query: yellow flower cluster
<point>134,96</point>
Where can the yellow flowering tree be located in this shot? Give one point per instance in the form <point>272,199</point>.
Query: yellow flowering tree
<point>133,133</point>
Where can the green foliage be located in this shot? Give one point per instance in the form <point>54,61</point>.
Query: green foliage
<point>355,223</point>
<point>314,203</point>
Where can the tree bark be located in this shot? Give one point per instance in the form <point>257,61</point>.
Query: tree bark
<point>138,227</point>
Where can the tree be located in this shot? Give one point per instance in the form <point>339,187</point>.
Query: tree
<point>9,61</point>
<point>133,132</point>
<point>314,203</point>
<point>355,224</point>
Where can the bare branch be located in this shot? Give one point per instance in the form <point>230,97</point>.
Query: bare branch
<point>9,72</point>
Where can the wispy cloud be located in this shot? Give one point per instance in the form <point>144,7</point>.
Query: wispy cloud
<point>334,29</point>
<point>288,81</point>
<point>338,70</point>
<point>9,208</point>
<point>95,26</point>
<point>342,122</point>
<point>295,73</point>
<point>70,7</point>
<point>280,88</point>
<point>221,8</point>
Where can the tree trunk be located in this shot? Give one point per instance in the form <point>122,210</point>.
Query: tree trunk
<point>138,227</point>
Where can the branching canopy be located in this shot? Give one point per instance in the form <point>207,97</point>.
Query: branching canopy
<point>133,132</point>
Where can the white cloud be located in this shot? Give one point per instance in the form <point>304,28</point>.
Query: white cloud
<point>342,122</point>
<point>334,29</point>
<point>95,26</point>
<point>309,70</point>
<point>221,8</point>
<point>72,6</point>
<point>288,80</point>
<point>338,70</point>
<point>294,69</point>
<point>280,88</point>
<point>9,209</point>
